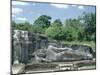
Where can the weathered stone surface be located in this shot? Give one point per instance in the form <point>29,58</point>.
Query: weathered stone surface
<point>41,54</point>
<point>67,54</point>
<point>24,43</point>
<point>17,68</point>
<point>63,54</point>
<point>28,45</point>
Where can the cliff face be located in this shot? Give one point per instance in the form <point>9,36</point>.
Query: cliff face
<point>27,45</point>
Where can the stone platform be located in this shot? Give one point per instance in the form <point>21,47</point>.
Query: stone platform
<point>17,68</point>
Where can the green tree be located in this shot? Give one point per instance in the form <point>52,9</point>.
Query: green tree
<point>55,31</point>
<point>22,26</point>
<point>27,26</point>
<point>14,25</point>
<point>73,28</point>
<point>89,20</point>
<point>41,24</point>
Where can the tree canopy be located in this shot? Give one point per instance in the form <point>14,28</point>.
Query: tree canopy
<point>55,31</point>
<point>41,24</point>
<point>90,26</point>
<point>73,28</point>
<point>80,29</point>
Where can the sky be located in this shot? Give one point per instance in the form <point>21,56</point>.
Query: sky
<point>30,11</point>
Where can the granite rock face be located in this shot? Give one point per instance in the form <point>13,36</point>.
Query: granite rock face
<point>27,45</point>
<point>66,54</point>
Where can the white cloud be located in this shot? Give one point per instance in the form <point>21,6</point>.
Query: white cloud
<point>21,18</point>
<point>81,7</point>
<point>73,5</point>
<point>60,5</point>
<point>16,10</point>
<point>19,3</point>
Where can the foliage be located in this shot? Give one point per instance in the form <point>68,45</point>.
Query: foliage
<point>14,25</point>
<point>41,24</point>
<point>90,26</point>
<point>74,29</point>
<point>22,26</point>
<point>56,31</point>
<point>80,29</point>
